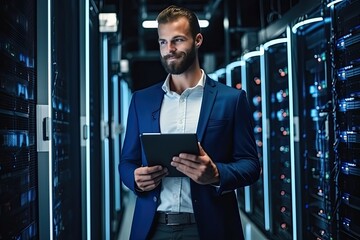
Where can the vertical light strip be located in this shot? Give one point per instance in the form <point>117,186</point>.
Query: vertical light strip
<point>248,231</point>
<point>244,87</point>
<point>243,76</point>
<point>292,134</point>
<point>247,199</point>
<point>265,136</point>
<point>116,139</point>
<point>106,169</point>
<point>49,58</point>
<point>125,96</point>
<point>87,120</point>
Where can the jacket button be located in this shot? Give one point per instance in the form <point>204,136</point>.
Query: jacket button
<point>155,199</point>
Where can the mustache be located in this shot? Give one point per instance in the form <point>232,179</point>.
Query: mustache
<point>166,57</point>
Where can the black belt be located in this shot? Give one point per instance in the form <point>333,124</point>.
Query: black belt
<point>175,218</point>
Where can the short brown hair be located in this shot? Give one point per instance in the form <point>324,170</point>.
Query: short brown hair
<point>173,12</point>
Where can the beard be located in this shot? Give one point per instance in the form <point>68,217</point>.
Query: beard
<point>179,67</point>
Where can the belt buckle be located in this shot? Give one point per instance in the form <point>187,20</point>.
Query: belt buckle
<point>170,223</point>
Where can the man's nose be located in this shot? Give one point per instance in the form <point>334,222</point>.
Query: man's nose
<point>171,47</point>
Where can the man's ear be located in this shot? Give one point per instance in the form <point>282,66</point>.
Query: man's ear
<point>198,40</point>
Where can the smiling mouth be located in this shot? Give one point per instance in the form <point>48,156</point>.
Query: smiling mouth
<point>171,57</point>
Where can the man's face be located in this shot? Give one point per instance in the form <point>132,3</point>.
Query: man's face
<point>177,46</point>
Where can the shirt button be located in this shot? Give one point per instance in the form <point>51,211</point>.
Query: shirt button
<point>155,199</point>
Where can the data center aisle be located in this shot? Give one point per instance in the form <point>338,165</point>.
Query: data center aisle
<point>251,232</point>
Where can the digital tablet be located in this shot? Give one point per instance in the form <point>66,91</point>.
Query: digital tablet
<point>160,148</point>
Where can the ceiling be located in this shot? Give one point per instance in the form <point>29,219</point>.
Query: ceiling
<point>137,40</point>
<point>223,44</point>
<point>243,15</point>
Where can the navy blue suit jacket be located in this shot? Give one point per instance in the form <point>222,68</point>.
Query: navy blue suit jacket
<point>225,131</point>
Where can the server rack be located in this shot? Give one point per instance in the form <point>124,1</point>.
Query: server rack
<point>346,63</point>
<point>279,161</point>
<point>65,120</point>
<point>311,53</point>
<point>90,119</point>
<point>18,79</point>
<point>62,128</point>
<point>232,77</point>
<point>233,74</point>
<point>258,192</point>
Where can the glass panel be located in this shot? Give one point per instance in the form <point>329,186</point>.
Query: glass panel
<point>253,88</point>
<point>279,139</point>
<point>18,162</point>
<point>347,122</point>
<point>65,120</point>
<point>316,126</point>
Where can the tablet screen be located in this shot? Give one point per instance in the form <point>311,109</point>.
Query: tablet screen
<point>160,148</point>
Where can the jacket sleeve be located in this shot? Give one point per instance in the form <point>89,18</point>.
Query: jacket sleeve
<point>131,151</point>
<point>244,169</point>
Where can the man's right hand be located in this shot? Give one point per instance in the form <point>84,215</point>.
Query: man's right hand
<point>148,178</point>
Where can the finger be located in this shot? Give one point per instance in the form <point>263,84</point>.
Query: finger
<point>201,150</point>
<point>148,174</point>
<point>148,170</point>
<point>186,167</point>
<point>187,156</point>
<point>147,184</point>
<point>188,171</point>
<point>192,163</point>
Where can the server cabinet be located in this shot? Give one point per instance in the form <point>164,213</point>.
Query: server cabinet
<point>65,120</point>
<point>232,76</point>
<point>90,119</point>
<point>346,63</point>
<point>115,187</point>
<point>18,161</point>
<point>258,192</point>
<point>110,135</point>
<point>313,106</point>
<point>280,163</point>
<point>61,127</point>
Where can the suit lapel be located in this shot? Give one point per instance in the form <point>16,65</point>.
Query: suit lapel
<point>209,96</point>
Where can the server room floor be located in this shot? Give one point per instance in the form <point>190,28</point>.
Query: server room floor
<point>251,232</point>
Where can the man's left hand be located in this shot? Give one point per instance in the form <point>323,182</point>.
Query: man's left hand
<point>200,168</point>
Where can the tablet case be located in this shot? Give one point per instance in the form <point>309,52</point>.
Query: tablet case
<point>160,148</point>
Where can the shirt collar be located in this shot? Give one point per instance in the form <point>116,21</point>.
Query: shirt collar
<point>201,82</point>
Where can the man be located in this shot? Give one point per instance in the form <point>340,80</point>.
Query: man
<point>203,204</point>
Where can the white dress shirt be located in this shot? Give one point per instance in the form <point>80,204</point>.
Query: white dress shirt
<point>179,114</point>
